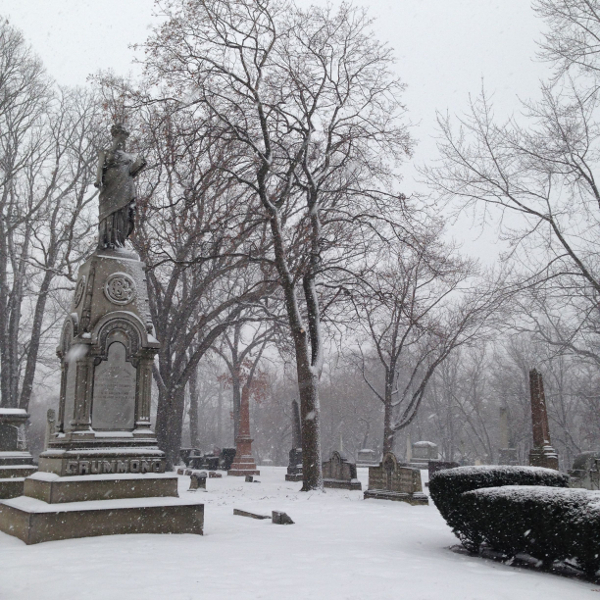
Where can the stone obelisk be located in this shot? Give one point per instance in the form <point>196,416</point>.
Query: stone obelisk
<point>542,454</point>
<point>101,446</point>
<point>243,463</point>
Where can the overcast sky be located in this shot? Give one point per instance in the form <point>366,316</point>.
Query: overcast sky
<point>445,49</point>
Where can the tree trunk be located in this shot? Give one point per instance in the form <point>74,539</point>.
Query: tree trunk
<point>169,422</point>
<point>310,416</point>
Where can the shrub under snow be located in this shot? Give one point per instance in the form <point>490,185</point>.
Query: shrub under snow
<point>447,487</point>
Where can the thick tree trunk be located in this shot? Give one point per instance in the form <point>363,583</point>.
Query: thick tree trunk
<point>169,422</point>
<point>310,417</point>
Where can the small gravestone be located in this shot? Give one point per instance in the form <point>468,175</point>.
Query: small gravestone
<point>197,481</point>
<point>393,481</point>
<point>366,458</point>
<point>281,518</point>
<point>339,472</point>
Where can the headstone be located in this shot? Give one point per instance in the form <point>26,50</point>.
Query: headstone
<point>281,518</point>
<point>339,472</point>
<point>393,481</point>
<point>422,453</point>
<point>366,458</point>
<point>294,470</point>
<point>542,454</point>
<point>506,455</point>
<point>585,472</point>
<point>197,481</point>
<point>16,462</point>
<point>102,448</point>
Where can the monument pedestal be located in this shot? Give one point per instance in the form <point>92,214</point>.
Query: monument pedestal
<point>546,457</point>
<point>102,472</point>
<point>15,462</point>
<point>243,463</point>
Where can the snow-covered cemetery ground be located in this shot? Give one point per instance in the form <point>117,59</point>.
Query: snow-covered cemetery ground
<point>340,547</point>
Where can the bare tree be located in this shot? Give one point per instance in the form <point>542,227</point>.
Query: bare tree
<point>309,108</point>
<point>47,137</point>
<point>416,311</point>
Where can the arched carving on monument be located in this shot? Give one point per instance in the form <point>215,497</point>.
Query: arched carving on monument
<point>121,330</point>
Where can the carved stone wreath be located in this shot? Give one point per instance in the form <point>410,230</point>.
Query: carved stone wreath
<point>120,288</point>
<point>79,289</point>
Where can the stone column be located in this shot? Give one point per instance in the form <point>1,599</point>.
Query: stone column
<point>507,455</point>
<point>243,463</point>
<point>542,454</point>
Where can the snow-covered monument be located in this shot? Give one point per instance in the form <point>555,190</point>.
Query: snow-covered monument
<point>102,448</point>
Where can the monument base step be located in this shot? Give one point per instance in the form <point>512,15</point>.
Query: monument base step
<point>15,458</point>
<point>416,499</point>
<point>34,521</point>
<point>8,471</point>
<point>54,489</point>
<point>293,477</point>
<point>245,466</point>
<point>11,487</point>
<point>351,484</point>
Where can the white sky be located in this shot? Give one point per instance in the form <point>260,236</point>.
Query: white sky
<point>445,50</point>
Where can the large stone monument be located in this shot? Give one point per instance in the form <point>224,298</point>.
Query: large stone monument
<point>339,472</point>
<point>16,462</point>
<point>294,470</point>
<point>542,454</point>
<point>394,481</point>
<point>101,446</point>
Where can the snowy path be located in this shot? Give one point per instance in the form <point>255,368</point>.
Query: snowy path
<point>340,548</point>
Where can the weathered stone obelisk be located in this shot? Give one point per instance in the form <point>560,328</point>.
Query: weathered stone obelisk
<point>102,447</point>
<point>542,454</point>
<point>243,462</point>
<point>507,455</point>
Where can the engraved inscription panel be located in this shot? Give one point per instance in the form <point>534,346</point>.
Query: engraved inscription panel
<point>114,391</point>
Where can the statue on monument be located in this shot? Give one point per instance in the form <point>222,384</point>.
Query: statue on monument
<point>116,172</point>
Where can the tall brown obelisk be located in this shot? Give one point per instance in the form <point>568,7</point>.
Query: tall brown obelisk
<point>542,454</point>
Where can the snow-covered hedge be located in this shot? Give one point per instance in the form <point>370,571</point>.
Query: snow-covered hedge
<point>446,488</point>
<point>546,523</point>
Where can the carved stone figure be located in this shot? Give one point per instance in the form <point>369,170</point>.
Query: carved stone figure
<point>116,172</point>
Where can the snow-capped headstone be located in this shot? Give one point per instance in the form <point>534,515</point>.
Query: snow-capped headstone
<point>339,472</point>
<point>422,453</point>
<point>391,480</point>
